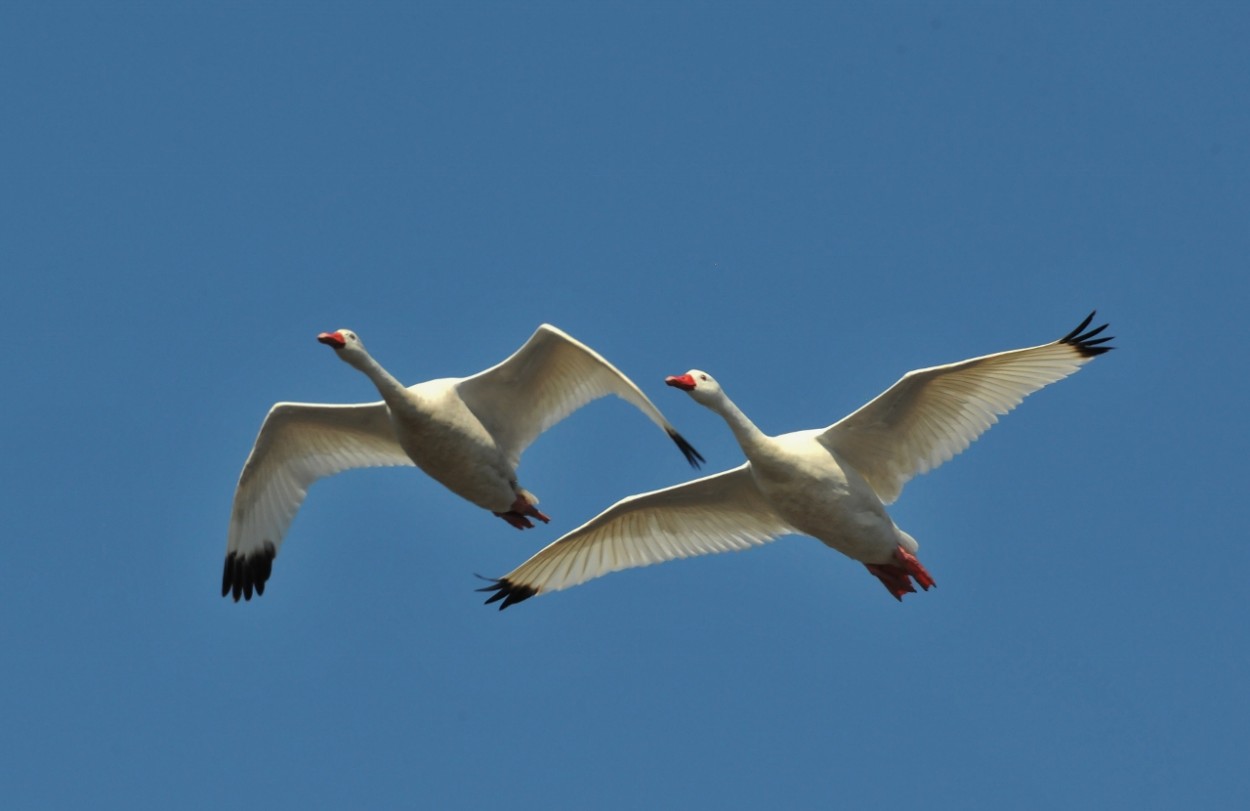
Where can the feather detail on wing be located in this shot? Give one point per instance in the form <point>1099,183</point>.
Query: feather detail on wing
<point>298,444</point>
<point>720,513</point>
<point>930,415</point>
<point>544,381</point>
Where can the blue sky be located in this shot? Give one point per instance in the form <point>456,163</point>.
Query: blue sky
<point>805,200</point>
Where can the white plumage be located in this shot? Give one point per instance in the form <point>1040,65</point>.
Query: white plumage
<point>467,433</point>
<point>829,483</point>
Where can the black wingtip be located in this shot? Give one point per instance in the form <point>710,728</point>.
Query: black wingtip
<point>507,591</point>
<point>692,456</point>
<point>244,575</point>
<point>1085,342</point>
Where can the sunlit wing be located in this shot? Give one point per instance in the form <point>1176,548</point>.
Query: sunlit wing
<point>930,415</point>
<point>298,444</point>
<point>720,513</point>
<point>544,381</point>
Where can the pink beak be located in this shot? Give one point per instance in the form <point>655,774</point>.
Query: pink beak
<point>334,339</point>
<point>683,382</point>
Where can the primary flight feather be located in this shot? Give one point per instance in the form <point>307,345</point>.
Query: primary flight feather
<point>467,433</point>
<point>831,483</point>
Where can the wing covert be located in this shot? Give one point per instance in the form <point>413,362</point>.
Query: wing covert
<point>544,381</point>
<point>719,513</point>
<point>298,444</point>
<point>930,415</point>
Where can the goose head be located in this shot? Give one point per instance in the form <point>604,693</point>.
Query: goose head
<point>346,344</point>
<point>699,385</point>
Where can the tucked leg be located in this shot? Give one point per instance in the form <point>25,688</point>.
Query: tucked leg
<point>913,567</point>
<point>522,510</point>
<point>894,578</point>
<point>897,577</point>
<point>516,519</point>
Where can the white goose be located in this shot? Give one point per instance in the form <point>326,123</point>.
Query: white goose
<point>829,483</point>
<point>468,433</point>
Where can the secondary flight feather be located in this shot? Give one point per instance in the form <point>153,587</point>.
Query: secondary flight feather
<point>467,433</point>
<point>831,483</point>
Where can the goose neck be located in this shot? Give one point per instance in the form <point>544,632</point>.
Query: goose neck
<point>392,390</point>
<point>748,435</point>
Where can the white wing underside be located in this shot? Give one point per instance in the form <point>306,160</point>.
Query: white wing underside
<point>930,415</point>
<point>544,381</point>
<point>298,444</point>
<point>719,513</point>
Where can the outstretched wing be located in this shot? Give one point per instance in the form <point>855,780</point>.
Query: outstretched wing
<point>544,381</point>
<point>932,414</point>
<point>720,513</point>
<point>298,444</point>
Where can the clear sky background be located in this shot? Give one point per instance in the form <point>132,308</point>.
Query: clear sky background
<point>805,200</point>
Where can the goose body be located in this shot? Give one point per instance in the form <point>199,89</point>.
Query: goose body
<point>817,494</point>
<point>466,433</point>
<point>447,441</point>
<point>832,484</point>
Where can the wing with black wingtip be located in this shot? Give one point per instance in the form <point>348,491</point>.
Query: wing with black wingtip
<point>930,415</point>
<point>544,381</point>
<point>298,444</point>
<point>724,512</point>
